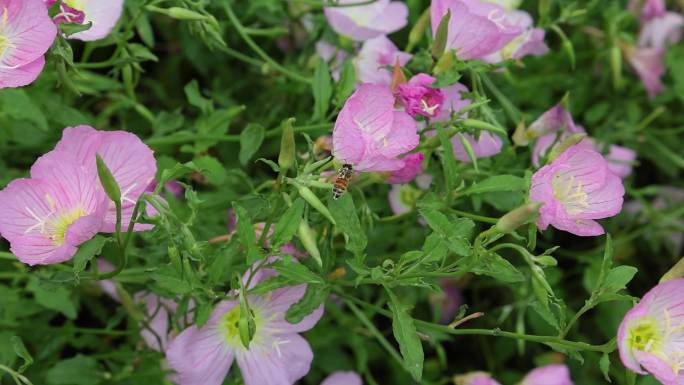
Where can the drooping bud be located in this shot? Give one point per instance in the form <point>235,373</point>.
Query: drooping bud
<point>518,217</point>
<point>564,145</point>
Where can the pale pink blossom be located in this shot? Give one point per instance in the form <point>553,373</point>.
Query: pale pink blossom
<point>26,33</point>
<point>661,31</point>
<point>333,55</point>
<point>45,218</point>
<point>370,133</point>
<point>548,375</point>
<point>373,58</point>
<point>277,354</point>
<point>402,198</point>
<point>343,378</point>
<point>529,43</point>
<point>650,337</point>
<point>476,28</point>
<point>476,378</point>
<point>363,22</point>
<point>130,160</point>
<point>102,14</point>
<point>649,8</point>
<point>412,167</point>
<point>575,189</point>
<point>419,97</point>
<point>648,64</point>
<point>484,145</point>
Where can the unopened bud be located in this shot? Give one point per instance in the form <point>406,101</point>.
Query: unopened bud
<point>286,157</point>
<point>677,271</point>
<point>185,14</point>
<point>564,145</point>
<point>518,217</point>
<point>308,239</point>
<point>439,44</point>
<point>418,30</point>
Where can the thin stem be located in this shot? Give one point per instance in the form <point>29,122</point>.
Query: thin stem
<point>375,332</point>
<point>241,31</point>
<point>7,255</point>
<point>475,217</point>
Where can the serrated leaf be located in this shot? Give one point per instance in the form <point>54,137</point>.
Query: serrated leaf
<point>618,278</point>
<point>79,370</point>
<point>195,97</point>
<point>251,138</point>
<point>21,351</point>
<point>87,251</point>
<point>296,272</point>
<point>57,298</point>
<point>288,224</point>
<point>211,168</point>
<point>406,335</point>
<point>313,297</point>
<point>168,279</point>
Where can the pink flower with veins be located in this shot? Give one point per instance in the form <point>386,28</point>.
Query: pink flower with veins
<point>651,333</point>
<point>648,64</point>
<point>476,28</point>
<point>484,145</point>
<point>412,167</point>
<point>26,33</point>
<point>529,42</point>
<point>130,160</point>
<point>649,8</point>
<point>419,97</point>
<point>277,353</point>
<point>661,31</point>
<point>375,54</point>
<point>370,133</point>
<point>575,189</point>
<point>548,375</point>
<point>364,22</point>
<point>343,378</point>
<point>47,217</point>
<point>102,14</point>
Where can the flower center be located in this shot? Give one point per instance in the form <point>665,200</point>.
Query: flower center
<point>76,4</point>
<point>61,223</point>
<point>570,193</point>
<point>5,43</point>
<point>645,336</point>
<point>231,330</point>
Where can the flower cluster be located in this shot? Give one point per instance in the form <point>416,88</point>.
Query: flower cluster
<point>47,216</point>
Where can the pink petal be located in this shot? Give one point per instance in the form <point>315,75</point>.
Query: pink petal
<point>648,64</point>
<point>403,137</point>
<point>103,14</point>
<point>201,356</point>
<point>486,145</point>
<point>29,29</point>
<point>412,167</point>
<point>343,378</point>
<point>374,54</point>
<point>660,369</point>
<point>626,353</point>
<point>581,227</point>
<point>548,375</point>
<point>620,160</point>
<point>367,21</point>
<point>282,361</point>
<point>24,75</point>
<point>662,31</point>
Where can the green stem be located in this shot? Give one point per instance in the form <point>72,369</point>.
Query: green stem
<point>255,47</point>
<point>475,217</point>
<point>375,332</point>
<point>274,31</point>
<point>7,255</point>
<point>511,110</point>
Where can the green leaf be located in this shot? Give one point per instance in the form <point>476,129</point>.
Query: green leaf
<point>313,297</point>
<point>406,335</point>
<point>212,169</point>
<point>107,180</point>
<point>288,224</point>
<point>273,165</point>
<point>347,82</point>
<point>195,98</point>
<point>344,212</point>
<point>604,365</point>
<point>312,199</point>
<point>441,35</point>
<point>87,251</point>
<point>297,272</point>
<point>202,314</point>
<point>57,299</point>
<point>168,279</point>
<point>246,233</point>
<point>21,351</point>
<point>618,278</point>
<point>497,183</point>
<point>448,160</point>
<point>72,28</point>
<point>495,266</point>
<point>79,370</point>
<point>250,141</point>
<point>322,90</point>
<point>18,105</point>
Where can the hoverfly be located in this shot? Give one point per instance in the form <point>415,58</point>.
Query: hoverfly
<point>344,175</point>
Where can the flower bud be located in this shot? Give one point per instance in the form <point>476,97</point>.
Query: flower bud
<point>308,239</point>
<point>518,217</point>
<point>564,145</point>
<point>316,203</point>
<point>185,14</point>
<point>111,187</point>
<point>286,157</point>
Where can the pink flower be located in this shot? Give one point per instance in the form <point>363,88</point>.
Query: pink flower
<point>370,134</point>
<point>103,14</point>
<point>412,167</point>
<point>648,64</point>
<point>131,161</point>
<point>402,198</point>
<point>47,217</point>
<point>375,54</point>
<point>66,13</point>
<point>343,378</point>
<point>363,22</point>
<point>649,8</point>
<point>453,102</point>
<point>529,42</point>
<point>485,145</point>
<point>476,378</point>
<point>276,355</point>
<point>548,375</point>
<point>661,31</point>
<point>447,303</point>
<point>26,33</point>
<point>576,188</point>
<point>620,160</point>
<point>650,335</point>
<point>476,28</point>
<point>419,97</point>
<point>557,119</point>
